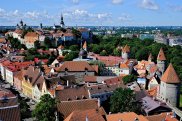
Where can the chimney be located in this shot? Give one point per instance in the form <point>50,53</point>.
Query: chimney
<point>136,119</point>
<point>98,102</point>
<point>67,83</point>
<point>86,118</point>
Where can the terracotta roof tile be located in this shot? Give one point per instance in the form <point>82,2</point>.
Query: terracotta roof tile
<point>128,116</point>
<point>81,115</point>
<point>18,31</point>
<point>161,55</point>
<point>123,65</point>
<point>74,93</point>
<point>90,79</point>
<point>2,40</point>
<point>170,75</point>
<point>76,66</point>
<point>162,117</point>
<point>67,107</point>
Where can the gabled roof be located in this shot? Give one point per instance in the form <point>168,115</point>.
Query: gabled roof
<point>67,107</point>
<point>162,117</point>
<point>80,115</point>
<point>126,49</point>
<point>128,116</point>
<point>76,66</point>
<point>170,75</point>
<point>74,93</point>
<point>161,55</point>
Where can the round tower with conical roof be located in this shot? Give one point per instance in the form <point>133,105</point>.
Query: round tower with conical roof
<point>125,52</point>
<point>170,87</point>
<point>161,61</point>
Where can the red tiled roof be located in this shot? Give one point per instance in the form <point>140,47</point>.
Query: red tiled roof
<point>170,75</point>
<point>90,79</point>
<point>161,55</point>
<point>67,107</point>
<point>76,66</point>
<point>2,40</point>
<point>152,92</point>
<point>18,31</point>
<point>123,65</point>
<point>127,116</point>
<point>162,117</point>
<point>6,92</point>
<point>113,81</point>
<point>81,115</point>
<point>74,93</point>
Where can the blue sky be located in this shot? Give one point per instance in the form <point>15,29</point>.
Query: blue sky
<point>92,12</point>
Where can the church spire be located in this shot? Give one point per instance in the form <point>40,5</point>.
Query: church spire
<point>62,21</point>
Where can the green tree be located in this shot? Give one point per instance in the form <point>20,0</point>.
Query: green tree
<point>129,78</point>
<point>24,109</point>
<point>117,52</point>
<point>37,44</point>
<point>47,42</point>
<point>70,56</point>
<point>123,100</point>
<point>74,48</point>
<point>45,109</point>
<point>103,53</point>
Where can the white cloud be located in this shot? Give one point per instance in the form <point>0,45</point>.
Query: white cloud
<point>149,4</point>
<point>177,8</point>
<point>2,12</point>
<point>75,1</point>
<point>125,18</point>
<point>117,1</point>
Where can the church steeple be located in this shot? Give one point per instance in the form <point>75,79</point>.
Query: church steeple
<point>62,21</point>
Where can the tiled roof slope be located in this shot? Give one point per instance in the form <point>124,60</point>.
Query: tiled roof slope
<point>80,115</point>
<point>67,107</point>
<point>161,55</point>
<point>74,93</point>
<point>170,75</point>
<point>128,116</point>
<point>76,66</point>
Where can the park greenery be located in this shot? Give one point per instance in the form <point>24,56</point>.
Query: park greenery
<point>129,78</point>
<point>123,100</point>
<point>140,49</point>
<point>45,109</point>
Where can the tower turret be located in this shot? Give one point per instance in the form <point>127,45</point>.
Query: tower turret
<point>85,46</point>
<point>125,52</point>
<point>161,61</point>
<point>170,86</point>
